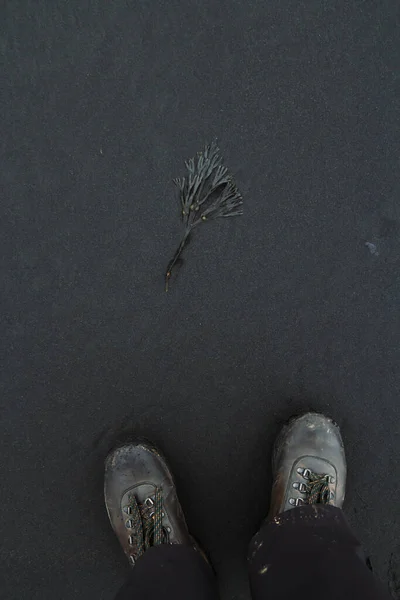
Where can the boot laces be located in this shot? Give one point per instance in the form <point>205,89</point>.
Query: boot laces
<point>145,524</point>
<point>316,490</point>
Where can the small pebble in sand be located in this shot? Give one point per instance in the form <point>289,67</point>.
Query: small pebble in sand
<point>372,248</point>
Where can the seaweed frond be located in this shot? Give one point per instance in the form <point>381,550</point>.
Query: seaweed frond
<point>207,192</point>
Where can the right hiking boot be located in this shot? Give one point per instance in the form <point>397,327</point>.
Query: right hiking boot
<point>309,464</point>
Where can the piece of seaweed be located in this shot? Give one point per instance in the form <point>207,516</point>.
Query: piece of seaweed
<point>207,192</point>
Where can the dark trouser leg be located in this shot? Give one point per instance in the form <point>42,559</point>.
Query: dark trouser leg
<point>309,553</point>
<point>170,573</point>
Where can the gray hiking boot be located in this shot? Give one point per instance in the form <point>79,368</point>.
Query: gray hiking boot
<point>141,500</point>
<point>309,464</point>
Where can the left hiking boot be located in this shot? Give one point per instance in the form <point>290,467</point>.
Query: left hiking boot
<point>141,500</point>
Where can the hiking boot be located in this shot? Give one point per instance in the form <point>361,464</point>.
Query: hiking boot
<point>141,500</point>
<point>309,464</point>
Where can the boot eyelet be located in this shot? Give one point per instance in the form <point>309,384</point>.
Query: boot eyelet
<point>304,472</point>
<point>296,501</point>
<point>301,487</point>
